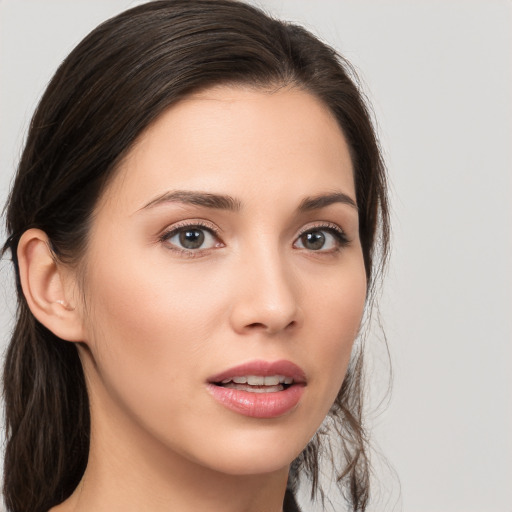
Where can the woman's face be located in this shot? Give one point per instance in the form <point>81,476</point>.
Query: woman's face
<point>224,262</point>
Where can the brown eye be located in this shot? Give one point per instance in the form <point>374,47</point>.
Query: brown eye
<point>322,239</point>
<point>191,238</point>
<point>313,240</point>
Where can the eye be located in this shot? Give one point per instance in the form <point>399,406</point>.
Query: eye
<point>191,238</point>
<point>322,238</point>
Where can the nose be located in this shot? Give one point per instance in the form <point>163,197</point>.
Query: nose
<point>268,296</point>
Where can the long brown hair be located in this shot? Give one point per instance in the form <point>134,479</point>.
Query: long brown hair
<point>118,80</point>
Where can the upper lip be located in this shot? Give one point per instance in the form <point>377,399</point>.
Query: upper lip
<point>264,369</point>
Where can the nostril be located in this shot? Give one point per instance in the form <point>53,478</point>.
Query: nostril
<point>291,324</point>
<point>269,327</point>
<point>256,325</point>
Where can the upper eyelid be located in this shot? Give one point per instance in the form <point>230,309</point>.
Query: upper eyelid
<point>321,225</point>
<point>200,223</point>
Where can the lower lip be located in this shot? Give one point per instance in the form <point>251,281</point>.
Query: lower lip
<point>258,405</point>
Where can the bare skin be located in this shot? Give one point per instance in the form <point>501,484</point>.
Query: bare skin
<point>278,275</point>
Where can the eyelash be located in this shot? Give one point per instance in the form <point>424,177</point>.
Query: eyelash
<point>333,229</point>
<point>177,228</point>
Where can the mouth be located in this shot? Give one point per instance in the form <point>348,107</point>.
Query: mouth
<point>257,383</point>
<point>259,389</point>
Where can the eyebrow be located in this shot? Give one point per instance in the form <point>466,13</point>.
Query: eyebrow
<point>217,201</point>
<point>324,200</point>
<point>225,202</point>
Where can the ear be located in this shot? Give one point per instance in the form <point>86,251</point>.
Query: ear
<point>48,287</point>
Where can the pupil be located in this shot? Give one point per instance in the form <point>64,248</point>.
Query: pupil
<point>314,240</point>
<point>192,238</point>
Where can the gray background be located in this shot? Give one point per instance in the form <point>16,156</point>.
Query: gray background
<point>439,74</point>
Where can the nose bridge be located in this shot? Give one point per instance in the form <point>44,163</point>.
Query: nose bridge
<point>268,296</point>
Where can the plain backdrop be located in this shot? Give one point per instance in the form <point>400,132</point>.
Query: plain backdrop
<point>439,75</point>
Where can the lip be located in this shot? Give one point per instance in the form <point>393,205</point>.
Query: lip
<point>260,405</point>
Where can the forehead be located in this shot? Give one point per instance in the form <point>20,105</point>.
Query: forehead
<point>240,138</point>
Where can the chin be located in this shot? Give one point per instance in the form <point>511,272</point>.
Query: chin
<point>253,464</point>
<point>254,451</point>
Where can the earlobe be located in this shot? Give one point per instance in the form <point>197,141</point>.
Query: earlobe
<point>47,291</point>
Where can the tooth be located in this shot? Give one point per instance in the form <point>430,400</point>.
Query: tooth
<point>240,380</point>
<point>225,381</point>
<point>261,390</point>
<point>288,380</point>
<point>272,380</point>
<point>253,389</point>
<point>255,380</point>
<point>268,389</point>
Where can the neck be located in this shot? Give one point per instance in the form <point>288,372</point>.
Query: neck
<point>132,488</point>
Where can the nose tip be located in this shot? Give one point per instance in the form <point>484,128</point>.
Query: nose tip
<point>267,302</point>
<point>267,319</point>
<point>273,324</point>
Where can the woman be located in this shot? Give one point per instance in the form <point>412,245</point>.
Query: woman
<point>196,224</point>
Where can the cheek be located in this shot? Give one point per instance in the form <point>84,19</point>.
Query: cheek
<point>337,322</point>
<point>148,327</point>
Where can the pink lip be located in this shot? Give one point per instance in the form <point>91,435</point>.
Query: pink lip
<point>260,405</point>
